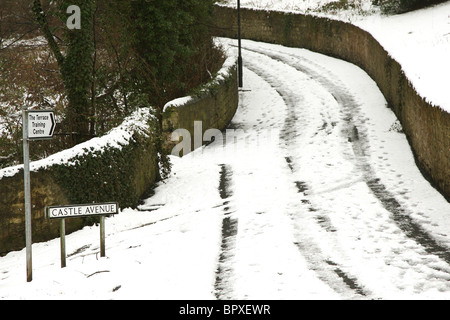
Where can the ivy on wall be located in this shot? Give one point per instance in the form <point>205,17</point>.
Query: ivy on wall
<point>109,174</point>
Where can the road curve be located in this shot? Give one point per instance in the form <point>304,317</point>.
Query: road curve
<point>337,178</point>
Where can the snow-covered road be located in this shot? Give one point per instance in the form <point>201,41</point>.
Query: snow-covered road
<point>341,178</point>
<point>313,195</point>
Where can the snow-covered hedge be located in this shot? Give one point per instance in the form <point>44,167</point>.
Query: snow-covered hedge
<point>99,169</point>
<point>119,166</point>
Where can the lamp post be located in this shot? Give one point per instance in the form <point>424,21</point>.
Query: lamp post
<point>239,44</point>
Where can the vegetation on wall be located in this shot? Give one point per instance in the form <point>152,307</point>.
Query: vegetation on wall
<point>75,63</point>
<point>113,172</point>
<point>105,175</point>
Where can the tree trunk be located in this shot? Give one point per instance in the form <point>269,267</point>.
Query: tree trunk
<point>75,64</point>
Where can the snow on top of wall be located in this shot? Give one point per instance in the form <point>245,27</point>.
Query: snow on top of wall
<point>116,138</point>
<point>316,7</point>
<point>420,42</point>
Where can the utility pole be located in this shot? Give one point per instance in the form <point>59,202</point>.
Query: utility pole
<point>239,45</point>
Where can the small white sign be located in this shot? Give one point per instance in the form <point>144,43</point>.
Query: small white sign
<point>41,124</point>
<point>97,209</point>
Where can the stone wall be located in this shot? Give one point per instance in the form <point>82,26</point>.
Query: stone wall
<point>84,174</point>
<point>48,191</point>
<point>214,107</point>
<point>121,173</point>
<point>12,216</point>
<point>427,127</point>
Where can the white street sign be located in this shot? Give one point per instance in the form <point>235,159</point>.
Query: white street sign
<point>82,210</point>
<point>74,211</point>
<point>41,124</point>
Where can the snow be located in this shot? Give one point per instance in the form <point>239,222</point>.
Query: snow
<point>418,40</point>
<point>116,138</point>
<point>287,211</point>
<point>303,6</point>
<point>35,42</point>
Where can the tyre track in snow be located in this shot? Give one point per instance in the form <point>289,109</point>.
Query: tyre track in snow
<point>357,135</point>
<point>355,132</point>
<point>327,269</point>
<point>224,274</point>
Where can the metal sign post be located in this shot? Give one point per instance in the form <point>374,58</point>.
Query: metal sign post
<point>240,67</point>
<point>36,125</point>
<point>26,180</point>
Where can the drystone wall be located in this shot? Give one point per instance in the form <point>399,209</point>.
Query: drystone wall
<point>212,108</point>
<point>111,168</point>
<point>120,171</point>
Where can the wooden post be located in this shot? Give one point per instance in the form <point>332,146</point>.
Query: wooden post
<point>102,236</point>
<point>63,243</point>
<point>81,210</point>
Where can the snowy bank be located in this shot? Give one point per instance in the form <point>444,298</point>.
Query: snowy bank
<point>419,40</point>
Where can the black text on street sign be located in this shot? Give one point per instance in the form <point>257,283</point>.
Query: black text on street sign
<point>41,124</point>
<point>82,210</point>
